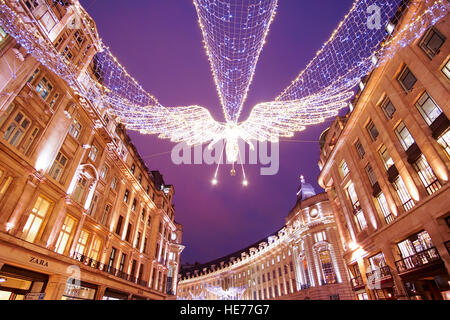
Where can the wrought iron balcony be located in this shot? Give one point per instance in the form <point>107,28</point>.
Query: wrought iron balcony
<point>357,283</point>
<point>385,272</point>
<point>418,260</point>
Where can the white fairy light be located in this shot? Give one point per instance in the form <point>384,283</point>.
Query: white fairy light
<point>234,34</point>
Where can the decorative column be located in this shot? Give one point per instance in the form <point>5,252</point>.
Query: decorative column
<point>24,206</point>
<point>100,292</point>
<point>55,287</point>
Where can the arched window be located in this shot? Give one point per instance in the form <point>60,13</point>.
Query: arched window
<point>327,270</point>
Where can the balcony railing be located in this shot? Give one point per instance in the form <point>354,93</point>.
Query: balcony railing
<point>418,260</point>
<point>357,283</point>
<point>389,218</point>
<point>385,272</point>
<point>105,268</point>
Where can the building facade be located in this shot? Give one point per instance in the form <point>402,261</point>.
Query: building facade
<point>385,167</point>
<point>301,261</point>
<point>81,216</point>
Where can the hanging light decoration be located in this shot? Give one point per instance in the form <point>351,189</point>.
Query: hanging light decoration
<point>234,34</point>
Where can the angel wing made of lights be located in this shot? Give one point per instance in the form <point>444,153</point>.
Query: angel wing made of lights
<point>234,34</point>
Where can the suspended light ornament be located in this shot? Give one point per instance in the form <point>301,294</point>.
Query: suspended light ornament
<point>234,34</point>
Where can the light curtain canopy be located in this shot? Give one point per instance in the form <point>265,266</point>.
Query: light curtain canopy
<point>234,33</point>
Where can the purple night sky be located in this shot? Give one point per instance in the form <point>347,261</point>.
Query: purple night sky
<point>160,44</point>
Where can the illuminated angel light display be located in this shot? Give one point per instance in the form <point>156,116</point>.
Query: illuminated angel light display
<point>234,33</point>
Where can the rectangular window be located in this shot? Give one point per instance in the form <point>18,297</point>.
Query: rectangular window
<point>104,172</point>
<point>403,194</point>
<point>138,240</point>
<point>17,129</point>
<point>57,169</point>
<point>385,157</point>
<point>404,136</point>
<point>112,258</point>
<point>144,250</point>
<point>127,237</point>
<point>407,79</point>
<point>82,242</point>
<point>93,206</point>
<point>119,225</point>
<point>31,4</point>
<point>134,205</point>
<point>122,262</point>
<point>428,108</point>
<point>34,75</point>
<point>44,88</point>
<point>36,219</point>
<point>75,129</point>
<point>371,175</point>
<point>126,196</point>
<point>30,139</point>
<point>95,248</point>
<point>444,141</point>
<point>446,69</point>
<point>415,244</point>
<point>319,237</point>
<point>432,42</point>
<point>426,175</point>
<point>65,234</point>
<point>357,211</point>
<point>372,130</point>
<point>114,183</point>
<point>3,35</point>
<point>360,149</point>
<point>105,215</point>
<point>93,153</point>
<point>388,217</point>
<point>80,188</point>
<point>343,169</point>
<point>388,108</point>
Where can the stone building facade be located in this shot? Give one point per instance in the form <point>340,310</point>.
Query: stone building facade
<point>301,261</point>
<point>77,202</point>
<point>385,167</point>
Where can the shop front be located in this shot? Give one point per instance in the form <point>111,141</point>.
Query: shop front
<point>21,284</point>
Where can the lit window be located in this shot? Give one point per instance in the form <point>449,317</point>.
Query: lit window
<point>372,130</point>
<point>320,236</point>
<point>64,235</point>
<point>17,129</point>
<point>82,242</point>
<point>426,174</point>
<point>444,141</point>
<point>36,219</point>
<point>58,166</point>
<point>343,169</point>
<point>44,88</point>
<point>388,108</point>
<point>407,79</point>
<point>328,274</point>
<point>432,42</point>
<point>403,194</point>
<point>357,211</point>
<point>4,185</point>
<point>3,35</point>
<point>360,149</point>
<point>446,69</point>
<point>381,199</point>
<point>428,108</point>
<point>93,153</point>
<point>75,129</point>
<point>415,244</point>
<point>404,136</point>
<point>385,157</point>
